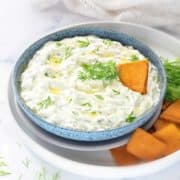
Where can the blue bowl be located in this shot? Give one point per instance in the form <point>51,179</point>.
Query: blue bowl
<point>84,30</point>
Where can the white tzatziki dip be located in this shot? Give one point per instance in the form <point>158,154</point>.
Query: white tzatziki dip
<point>74,84</point>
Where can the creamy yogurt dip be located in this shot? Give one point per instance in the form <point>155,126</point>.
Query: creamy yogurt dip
<point>73,83</point>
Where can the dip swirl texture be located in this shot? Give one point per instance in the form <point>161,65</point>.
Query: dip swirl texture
<point>74,84</point>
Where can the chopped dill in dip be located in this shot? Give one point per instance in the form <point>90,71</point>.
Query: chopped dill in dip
<point>74,83</point>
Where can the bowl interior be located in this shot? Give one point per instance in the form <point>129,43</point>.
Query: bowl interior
<point>83,31</point>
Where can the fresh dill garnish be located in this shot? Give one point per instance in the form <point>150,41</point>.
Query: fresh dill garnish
<point>45,103</point>
<point>4,173</point>
<point>99,71</point>
<point>55,176</point>
<point>130,118</point>
<point>69,100</point>
<point>46,74</point>
<point>58,43</point>
<point>134,57</point>
<point>83,43</point>
<point>99,97</point>
<point>50,75</point>
<point>173,79</point>
<point>93,113</point>
<point>86,104</point>
<point>107,42</point>
<point>95,51</point>
<point>26,162</point>
<point>116,92</point>
<point>3,164</point>
<point>53,59</point>
<point>67,52</point>
<point>42,175</point>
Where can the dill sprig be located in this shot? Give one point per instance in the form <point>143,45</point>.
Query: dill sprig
<point>130,118</point>
<point>45,103</point>
<point>107,42</point>
<point>99,97</point>
<point>83,43</point>
<point>3,164</point>
<point>115,92</point>
<point>99,71</point>
<point>134,57</point>
<point>67,52</point>
<point>173,79</point>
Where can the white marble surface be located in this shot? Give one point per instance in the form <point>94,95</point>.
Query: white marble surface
<point>21,24</point>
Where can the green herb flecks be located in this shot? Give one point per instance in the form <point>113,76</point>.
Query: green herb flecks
<point>99,97</point>
<point>173,79</point>
<point>134,57</point>
<point>26,162</point>
<point>67,52</point>
<point>99,71</point>
<point>42,174</point>
<point>93,113</point>
<point>115,92</point>
<point>54,60</point>
<point>50,75</point>
<point>4,173</point>
<point>107,42</point>
<point>45,103</point>
<point>3,164</point>
<point>83,43</point>
<point>130,118</point>
<point>58,43</point>
<point>86,104</point>
<point>69,100</point>
<point>56,176</point>
<point>96,50</point>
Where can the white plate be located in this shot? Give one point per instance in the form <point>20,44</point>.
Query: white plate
<point>99,164</point>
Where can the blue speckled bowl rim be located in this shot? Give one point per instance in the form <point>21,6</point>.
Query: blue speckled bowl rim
<point>83,30</point>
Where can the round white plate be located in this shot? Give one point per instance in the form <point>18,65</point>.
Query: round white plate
<point>99,164</point>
